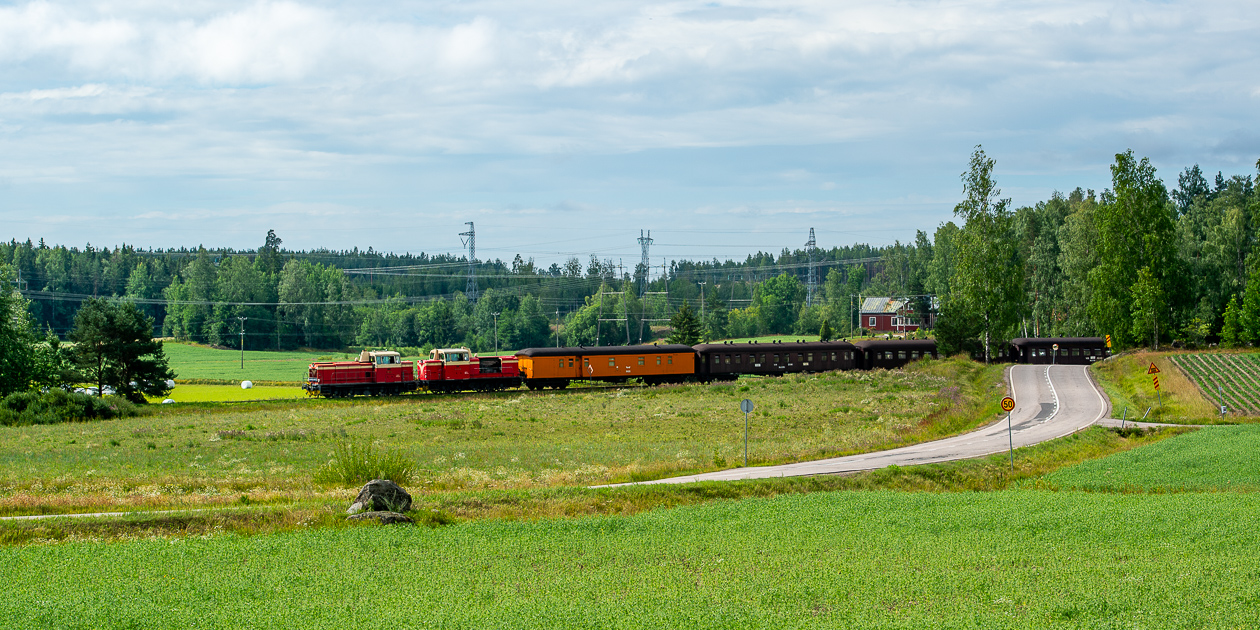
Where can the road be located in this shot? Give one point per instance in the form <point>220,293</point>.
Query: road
<point>1050,402</point>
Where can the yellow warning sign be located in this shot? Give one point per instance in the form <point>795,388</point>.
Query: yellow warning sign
<point>1152,369</point>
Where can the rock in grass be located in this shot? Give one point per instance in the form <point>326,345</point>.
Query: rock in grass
<point>386,518</point>
<point>381,495</point>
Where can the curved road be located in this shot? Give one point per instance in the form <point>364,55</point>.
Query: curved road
<point>1050,402</point>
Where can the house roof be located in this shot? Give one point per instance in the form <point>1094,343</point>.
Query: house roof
<point>882,305</point>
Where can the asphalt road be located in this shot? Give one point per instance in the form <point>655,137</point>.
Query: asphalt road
<point>1050,402</point>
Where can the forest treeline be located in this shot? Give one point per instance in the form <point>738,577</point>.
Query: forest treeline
<point>1140,261</point>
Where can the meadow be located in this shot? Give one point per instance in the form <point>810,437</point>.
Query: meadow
<point>881,559</point>
<point>195,455</point>
<point>202,363</point>
<point>1124,379</point>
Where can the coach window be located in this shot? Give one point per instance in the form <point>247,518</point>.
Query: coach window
<point>570,363</point>
<point>561,362</point>
<point>640,360</point>
<point>901,354</point>
<point>809,357</point>
<point>669,359</point>
<point>728,359</point>
<point>612,361</point>
<point>1076,352</point>
<point>776,358</point>
<point>737,358</point>
<point>914,354</point>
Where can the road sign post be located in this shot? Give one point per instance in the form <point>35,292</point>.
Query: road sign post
<point>1008,405</point>
<point>1154,372</point>
<point>1054,355</point>
<point>746,406</point>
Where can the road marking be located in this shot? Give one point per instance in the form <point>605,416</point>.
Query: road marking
<point>1052,393</point>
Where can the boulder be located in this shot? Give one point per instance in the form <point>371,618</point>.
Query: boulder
<point>386,518</point>
<point>381,495</point>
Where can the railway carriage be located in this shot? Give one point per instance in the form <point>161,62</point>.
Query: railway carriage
<point>557,367</point>
<point>893,353</point>
<point>1072,350</point>
<point>726,361</point>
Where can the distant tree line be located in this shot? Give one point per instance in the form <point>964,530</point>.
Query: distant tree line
<point>1138,261</point>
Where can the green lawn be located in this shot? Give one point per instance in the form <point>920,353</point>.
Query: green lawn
<point>1013,559</point>
<point>1216,458</point>
<point>185,393</point>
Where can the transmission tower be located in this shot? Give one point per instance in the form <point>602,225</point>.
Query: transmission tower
<point>811,281</point>
<point>471,244</point>
<point>644,243</point>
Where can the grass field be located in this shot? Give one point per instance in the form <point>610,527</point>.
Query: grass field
<point>202,454</point>
<point>1235,374</point>
<point>191,361</point>
<point>186,393</point>
<point>1219,458</point>
<point>1126,382</point>
<point>1012,559</point>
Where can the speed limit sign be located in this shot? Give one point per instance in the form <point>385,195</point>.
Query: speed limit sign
<point>1008,404</point>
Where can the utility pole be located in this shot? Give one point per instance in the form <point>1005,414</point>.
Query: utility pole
<point>702,300</point>
<point>496,331</point>
<point>471,244</point>
<point>242,320</point>
<point>811,282</point>
<point>557,328</point>
<point>644,243</point>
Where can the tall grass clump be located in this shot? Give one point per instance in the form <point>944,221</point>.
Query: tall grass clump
<point>56,405</point>
<point>355,464</point>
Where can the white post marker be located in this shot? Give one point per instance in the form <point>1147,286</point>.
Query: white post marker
<point>1008,405</point>
<point>746,406</point>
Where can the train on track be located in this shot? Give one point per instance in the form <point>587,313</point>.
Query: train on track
<point>383,372</point>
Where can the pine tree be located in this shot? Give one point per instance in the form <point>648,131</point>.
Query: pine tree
<point>686,326</point>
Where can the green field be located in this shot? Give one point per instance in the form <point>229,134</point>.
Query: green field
<point>1235,374</point>
<point>202,454</point>
<point>1219,458</point>
<point>1014,559</point>
<point>195,362</point>
<point>185,393</point>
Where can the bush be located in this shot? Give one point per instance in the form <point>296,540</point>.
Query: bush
<point>56,405</point>
<point>354,465</point>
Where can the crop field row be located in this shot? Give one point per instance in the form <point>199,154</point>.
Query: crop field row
<point>1233,376</point>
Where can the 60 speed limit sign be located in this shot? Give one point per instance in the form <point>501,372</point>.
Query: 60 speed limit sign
<point>1008,404</point>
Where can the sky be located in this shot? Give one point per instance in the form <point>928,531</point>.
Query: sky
<point>563,128</point>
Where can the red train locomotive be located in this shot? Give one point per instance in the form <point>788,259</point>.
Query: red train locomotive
<point>383,372</point>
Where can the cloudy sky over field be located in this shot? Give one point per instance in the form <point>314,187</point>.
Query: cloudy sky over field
<point>563,127</point>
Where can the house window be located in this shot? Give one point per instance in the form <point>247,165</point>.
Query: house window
<point>871,323</point>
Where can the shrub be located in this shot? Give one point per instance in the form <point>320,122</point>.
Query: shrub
<point>56,405</point>
<point>354,465</point>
